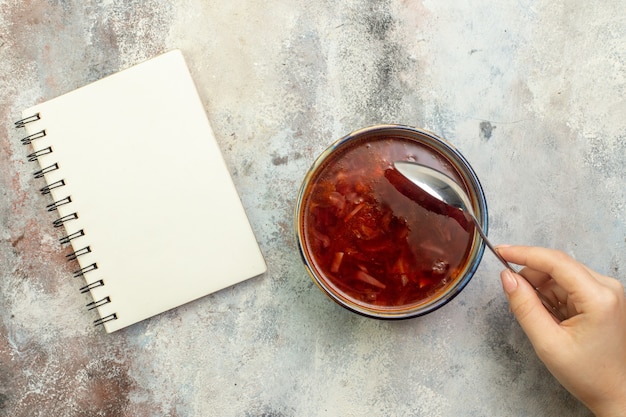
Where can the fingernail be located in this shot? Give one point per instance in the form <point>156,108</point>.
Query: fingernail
<point>509,283</point>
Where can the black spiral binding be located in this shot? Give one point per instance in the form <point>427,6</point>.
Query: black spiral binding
<point>23,122</point>
<point>28,139</point>
<point>42,172</point>
<point>59,203</point>
<point>81,272</point>
<point>46,190</point>
<point>89,287</point>
<point>67,239</point>
<point>72,256</point>
<point>59,222</point>
<point>95,304</point>
<point>105,319</point>
<point>34,156</point>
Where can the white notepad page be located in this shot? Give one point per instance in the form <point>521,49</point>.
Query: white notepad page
<point>151,190</point>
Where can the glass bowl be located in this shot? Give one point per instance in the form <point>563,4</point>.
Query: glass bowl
<point>367,246</point>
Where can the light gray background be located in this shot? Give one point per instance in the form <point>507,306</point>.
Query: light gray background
<point>531,92</point>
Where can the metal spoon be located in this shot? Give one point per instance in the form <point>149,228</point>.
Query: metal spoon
<point>448,191</point>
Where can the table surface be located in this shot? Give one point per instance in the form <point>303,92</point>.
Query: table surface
<point>531,92</point>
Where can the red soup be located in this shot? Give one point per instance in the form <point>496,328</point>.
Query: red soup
<point>369,243</point>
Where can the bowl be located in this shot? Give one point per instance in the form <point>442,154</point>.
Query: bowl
<point>370,248</point>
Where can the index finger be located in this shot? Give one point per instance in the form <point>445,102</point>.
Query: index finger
<point>571,275</point>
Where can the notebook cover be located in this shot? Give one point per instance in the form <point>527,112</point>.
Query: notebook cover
<point>154,198</point>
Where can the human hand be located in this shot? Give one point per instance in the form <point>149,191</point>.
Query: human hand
<point>587,351</point>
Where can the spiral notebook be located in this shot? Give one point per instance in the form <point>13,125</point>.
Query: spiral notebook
<point>142,191</point>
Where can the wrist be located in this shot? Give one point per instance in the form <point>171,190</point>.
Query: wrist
<point>614,408</point>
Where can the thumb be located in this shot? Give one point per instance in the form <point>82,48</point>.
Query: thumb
<point>526,306</point>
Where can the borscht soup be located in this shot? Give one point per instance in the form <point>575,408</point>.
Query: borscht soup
<point>370,246</point>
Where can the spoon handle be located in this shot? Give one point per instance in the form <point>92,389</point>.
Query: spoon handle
<point>546,303</point>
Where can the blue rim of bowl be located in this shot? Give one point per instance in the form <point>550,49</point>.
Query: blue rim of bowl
<point>465,170</point>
